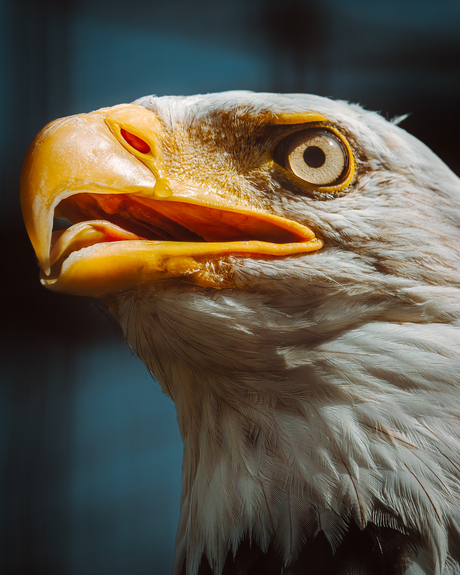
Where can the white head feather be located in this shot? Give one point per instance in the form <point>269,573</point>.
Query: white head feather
<point>325,390</point>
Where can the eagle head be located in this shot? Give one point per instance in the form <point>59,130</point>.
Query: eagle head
<point>288,268</point>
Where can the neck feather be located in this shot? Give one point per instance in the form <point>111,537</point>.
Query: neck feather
<point>288,433</point>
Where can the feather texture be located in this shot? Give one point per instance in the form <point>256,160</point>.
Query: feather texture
<point>318,400</point>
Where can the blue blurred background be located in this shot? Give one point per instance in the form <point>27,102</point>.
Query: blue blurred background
<point>90,451</point>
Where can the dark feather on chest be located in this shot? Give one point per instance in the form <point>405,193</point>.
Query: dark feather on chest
<point>371,551</point>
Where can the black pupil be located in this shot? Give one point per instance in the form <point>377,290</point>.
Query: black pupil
<point>314,157</point>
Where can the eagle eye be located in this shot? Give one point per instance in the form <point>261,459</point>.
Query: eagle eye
<point>135,142</point>
<point>317,156</point>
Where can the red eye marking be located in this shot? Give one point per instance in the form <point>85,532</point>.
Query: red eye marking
<point>135,142</point>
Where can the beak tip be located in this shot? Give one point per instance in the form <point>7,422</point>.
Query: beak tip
<point>45,266</point>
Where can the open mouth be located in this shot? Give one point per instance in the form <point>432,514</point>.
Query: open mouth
<point>201,230</point>
<point>130,224</point>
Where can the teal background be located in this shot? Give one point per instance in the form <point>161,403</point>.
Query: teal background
<point>89,447</point>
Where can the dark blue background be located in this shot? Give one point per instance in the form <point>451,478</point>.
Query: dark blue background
<point>89,445</point>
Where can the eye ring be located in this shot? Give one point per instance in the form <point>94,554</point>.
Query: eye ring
<point>318,156</point>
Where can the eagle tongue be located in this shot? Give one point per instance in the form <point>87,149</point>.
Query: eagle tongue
<point>86,234</point>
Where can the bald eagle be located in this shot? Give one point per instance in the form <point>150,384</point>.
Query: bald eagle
<point>288,267</point>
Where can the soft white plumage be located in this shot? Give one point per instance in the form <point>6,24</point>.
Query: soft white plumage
<point>320,397</point>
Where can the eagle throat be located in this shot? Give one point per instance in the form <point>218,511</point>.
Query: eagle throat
<point>301,439</point>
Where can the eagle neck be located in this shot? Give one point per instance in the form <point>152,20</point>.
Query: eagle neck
<point>288,432</point>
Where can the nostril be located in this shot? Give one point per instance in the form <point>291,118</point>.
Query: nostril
<point>136,142</point>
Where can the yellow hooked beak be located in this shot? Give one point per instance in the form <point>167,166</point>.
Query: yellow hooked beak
<point>104,172</point>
